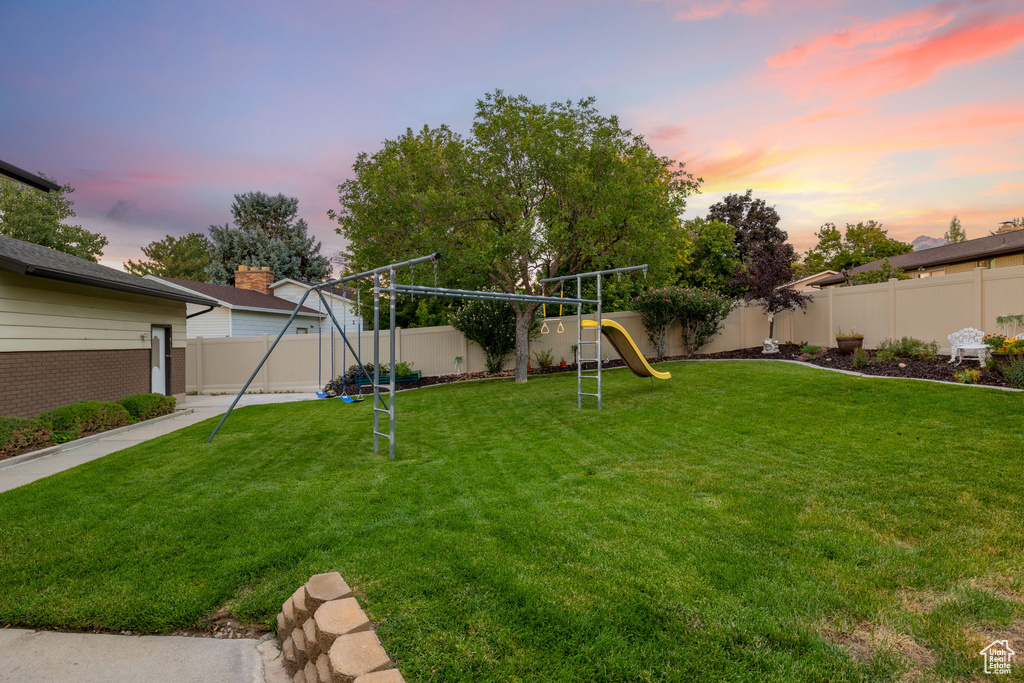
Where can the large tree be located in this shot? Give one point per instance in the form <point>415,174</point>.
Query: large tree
<point>755,222</point>
<point>537,190</point>
<point>41,218</point>
<point>185,257</point>
<point>864,242</point>
<point>712,258</point>
<point>267,232</point>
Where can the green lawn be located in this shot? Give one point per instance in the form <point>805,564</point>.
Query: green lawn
<point>750,521</point>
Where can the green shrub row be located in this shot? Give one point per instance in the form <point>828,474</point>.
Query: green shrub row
<point>75,420</point>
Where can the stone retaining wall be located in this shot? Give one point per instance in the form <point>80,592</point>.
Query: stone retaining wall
<point>326,637</point>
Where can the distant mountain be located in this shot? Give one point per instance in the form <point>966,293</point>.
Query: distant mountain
<point>925,242</point>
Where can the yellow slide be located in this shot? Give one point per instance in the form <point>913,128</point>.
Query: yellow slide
<point>627,349</point>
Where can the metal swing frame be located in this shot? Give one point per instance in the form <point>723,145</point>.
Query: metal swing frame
<point>384,394</point>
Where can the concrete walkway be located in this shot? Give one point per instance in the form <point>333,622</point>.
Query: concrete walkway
<point>204,407</point>
<point>48,657</point>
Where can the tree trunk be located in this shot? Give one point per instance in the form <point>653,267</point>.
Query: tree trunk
<point>524,319</point>
<point>771,327</point>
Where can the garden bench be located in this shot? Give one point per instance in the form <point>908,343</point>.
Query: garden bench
<point>967,339</point>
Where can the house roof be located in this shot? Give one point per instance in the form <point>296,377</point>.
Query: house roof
<point>26,178</point>
<point>813,279</point>
<point>978,248</point>
<point>26,258</point>
<point>233,297</point>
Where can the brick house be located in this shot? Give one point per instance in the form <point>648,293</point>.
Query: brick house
<point>1003,249</point>
<point>73,330</point>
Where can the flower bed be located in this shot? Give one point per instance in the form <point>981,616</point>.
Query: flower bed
<point>916,369</point>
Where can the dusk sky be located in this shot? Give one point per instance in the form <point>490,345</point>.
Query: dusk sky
<point>157,113</point>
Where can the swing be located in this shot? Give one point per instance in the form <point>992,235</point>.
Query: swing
<point>320,354</point>
<point>345,398</point>
<point>544,314</point>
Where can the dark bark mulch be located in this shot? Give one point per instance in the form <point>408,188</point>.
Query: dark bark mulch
<point>832,358</point>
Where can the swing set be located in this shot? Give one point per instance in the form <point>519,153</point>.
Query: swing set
<point>384,394</point>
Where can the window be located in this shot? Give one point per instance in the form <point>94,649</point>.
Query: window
<point>301,330</point>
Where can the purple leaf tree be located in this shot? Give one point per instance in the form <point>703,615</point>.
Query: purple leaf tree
<point>767,276</point>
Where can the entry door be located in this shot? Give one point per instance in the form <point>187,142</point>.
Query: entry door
<point>159,360</point>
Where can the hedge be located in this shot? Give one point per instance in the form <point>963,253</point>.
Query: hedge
<point>147,406</point>
<point>85,417</point>
<point>19,434</point>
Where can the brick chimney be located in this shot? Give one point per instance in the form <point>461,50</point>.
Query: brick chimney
<point>255,278</point>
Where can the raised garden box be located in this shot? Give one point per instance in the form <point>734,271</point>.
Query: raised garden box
<point>385,379</point>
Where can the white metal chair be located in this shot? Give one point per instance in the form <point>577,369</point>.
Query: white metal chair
<point>967,339</point>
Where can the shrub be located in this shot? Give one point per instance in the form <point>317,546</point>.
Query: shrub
<point>908,347</point>
<point>861,358</point>
<point>810,348</point>
<point>20,434</point>
<point>492,325</point>
<point>147,406</point>
<point>1014,373</point>
<point>85,417</point>
<point>404,369</point>
<point>545,359</point>
<point>967,376</point>
<point>700,312</point>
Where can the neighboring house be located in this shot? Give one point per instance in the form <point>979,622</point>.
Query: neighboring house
<point>811,281</point>
<point>342,302</point>
<point>255,306</point>
<point>73,330</point>
<point>1001,250</point>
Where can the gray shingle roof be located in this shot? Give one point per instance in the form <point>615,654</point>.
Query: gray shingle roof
<point>976,249</point>
<point>32,259</point>
<point>238,297</point>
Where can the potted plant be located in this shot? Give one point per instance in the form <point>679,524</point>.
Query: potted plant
<point>561,363</point>
<point>1011,349</point>
<point>848,342</point>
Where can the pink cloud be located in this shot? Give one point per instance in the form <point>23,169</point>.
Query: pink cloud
<point>699,10</point>
<point>910,65</point>
<point>902,26</point>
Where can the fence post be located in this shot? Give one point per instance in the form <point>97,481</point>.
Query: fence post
<point>979,297</point>
<point>266,366</point>
<point>199,365</point>
<point>892,308</point>
<point>831,318</point>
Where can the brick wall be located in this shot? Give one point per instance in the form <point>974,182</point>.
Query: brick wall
<point>34,381</point>
<point>177,371</point>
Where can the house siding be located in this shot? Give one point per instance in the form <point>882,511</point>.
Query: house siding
<point>37,314</point>
<point>254,323</point>
<point>215,323</point>
<point>344,311</point>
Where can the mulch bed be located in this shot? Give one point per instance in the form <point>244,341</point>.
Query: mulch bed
<point>832,358</point>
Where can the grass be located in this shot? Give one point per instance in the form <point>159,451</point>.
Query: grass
<point>750,521</point>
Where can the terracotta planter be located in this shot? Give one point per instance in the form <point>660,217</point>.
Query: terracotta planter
<point>849,345</point>
<point>562,364</point>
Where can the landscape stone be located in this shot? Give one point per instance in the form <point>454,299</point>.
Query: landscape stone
<point>299,601</point>
<point>323,668</point>
<point>324,588</point>
<point>311,675</point>
<point>356,654</point>
<point>282,626</point>
<point>309,635</point>
<point>337,618</point>
<point>291,663</point>
<point>299,677</point>
<point>288,610</point>
<point>299,641</point>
